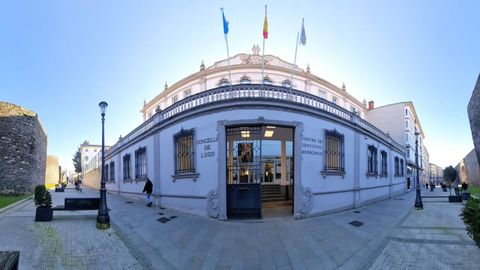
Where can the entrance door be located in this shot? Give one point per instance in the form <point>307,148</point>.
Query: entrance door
<point>258,157</point>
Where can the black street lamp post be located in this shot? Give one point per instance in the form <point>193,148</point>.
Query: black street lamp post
<point>103,219</point>
<point>418,198</point>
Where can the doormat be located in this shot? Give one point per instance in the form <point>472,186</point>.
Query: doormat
<point>173,217</point>
<point>356,223</point>
<point>161,214</point>
<point>356,211</point>
<point>163,220</point>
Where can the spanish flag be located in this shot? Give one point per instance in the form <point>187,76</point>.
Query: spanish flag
<point>265,25</point>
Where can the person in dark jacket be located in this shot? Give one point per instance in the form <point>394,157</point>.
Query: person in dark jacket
<point>148,189</point>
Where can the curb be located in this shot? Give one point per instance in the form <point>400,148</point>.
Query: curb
<point>8,207</point>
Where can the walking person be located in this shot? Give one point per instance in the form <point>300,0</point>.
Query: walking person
<point>148,189</point>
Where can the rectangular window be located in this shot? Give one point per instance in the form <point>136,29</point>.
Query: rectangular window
<point>105,173</point>
<point>126,166</point>
<point>141,163</point>
<point>187,93</point>
<point>384,163</point>
<point>334,153</point>
<point>174,99</point>
<point>184,152</point>
<point>334,100</point>
<point>372,160</point>
<point>397,167</point>
<point>112,171</point>
<point>401,168</point>
<point>406,124</point>
<point>322,94</point>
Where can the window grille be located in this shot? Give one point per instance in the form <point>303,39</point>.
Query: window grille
<point>112,171</point>
<point>384,162</point>
<point>141,163</point>
<point>184,152</point>
<point>126,166</point>
<point>334,151</point>
<point>372,160</point>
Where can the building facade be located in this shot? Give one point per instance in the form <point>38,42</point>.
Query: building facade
<point>235,149</point>
<point>400,121</point>
<point>436,174</point>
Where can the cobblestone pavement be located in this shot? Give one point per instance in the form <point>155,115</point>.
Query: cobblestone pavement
<point>70,241</point>
<point>392,236</point>
<point>432,238</point>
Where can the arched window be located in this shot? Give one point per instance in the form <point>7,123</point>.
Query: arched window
<point>223,82</point>
<point>245,80</point>
<point>287,83</point>
<point>267,80</point>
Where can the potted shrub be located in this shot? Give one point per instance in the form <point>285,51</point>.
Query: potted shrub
<point>465,194</point>
<point>450,175</point>
<point>43,202</point>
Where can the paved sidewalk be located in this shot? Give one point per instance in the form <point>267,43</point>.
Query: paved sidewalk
<point>193,242</point>
<point>70,241</point>
<point>392,236</point>
<point>432,238</point>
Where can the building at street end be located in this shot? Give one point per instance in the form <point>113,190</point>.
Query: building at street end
<point>240,148</point>
<point>436,174</point>
<point>400,121</point>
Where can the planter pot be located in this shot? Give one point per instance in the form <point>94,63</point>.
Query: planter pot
<point>43,214</point>
<point>465,196</point>
<point>455,199</point>
<point>444,189</point>
<point>59,190</point>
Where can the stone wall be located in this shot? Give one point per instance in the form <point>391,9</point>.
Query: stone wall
<point>92,179</point>
<point>52,173</point>
<point>23,148</point>
<point>474,117</point>
<point>469,170</point>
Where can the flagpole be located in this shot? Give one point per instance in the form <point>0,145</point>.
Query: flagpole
<point>225,31</point>
<point>228,61</point>
<point>294,64</point>
<point>263,54</point>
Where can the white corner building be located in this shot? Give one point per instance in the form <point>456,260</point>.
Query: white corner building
<point>237,150</point>
<point>400,121</point>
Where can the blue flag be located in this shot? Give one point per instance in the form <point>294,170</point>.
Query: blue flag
<point>303,37</point>
<point>225,23</point>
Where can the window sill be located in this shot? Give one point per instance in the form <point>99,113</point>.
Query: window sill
<point>192,176</point>
<point>332,173</point>
<point>372,175</point>
<point>111,182</point>
<point>383,175</point>
<point>128,180</point>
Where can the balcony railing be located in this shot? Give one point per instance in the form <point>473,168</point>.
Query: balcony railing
<point>255,92</point>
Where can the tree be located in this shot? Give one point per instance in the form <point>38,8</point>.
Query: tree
<point>77,158</point>
<point>450,174</point>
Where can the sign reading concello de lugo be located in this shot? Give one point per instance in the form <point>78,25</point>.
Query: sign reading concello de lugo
<point>206,150</point>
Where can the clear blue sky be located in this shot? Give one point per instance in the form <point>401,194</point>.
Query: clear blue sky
<point>61,58</point>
